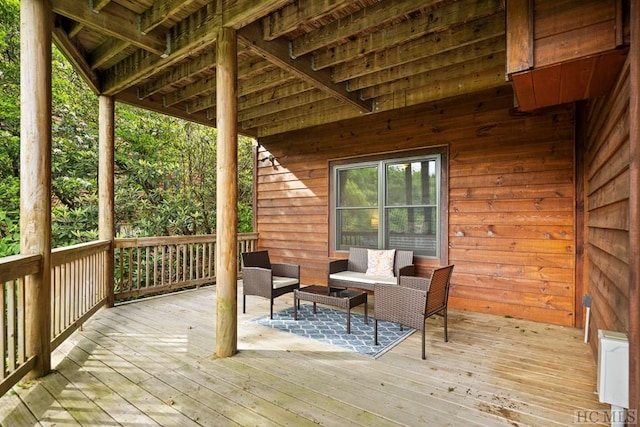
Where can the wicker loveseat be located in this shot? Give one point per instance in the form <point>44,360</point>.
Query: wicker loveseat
<point>352,272</point>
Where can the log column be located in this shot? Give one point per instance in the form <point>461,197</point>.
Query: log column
<point>106,213</point>
<point>35,174</point>
<point>227,194</point>
<point>634,210</point>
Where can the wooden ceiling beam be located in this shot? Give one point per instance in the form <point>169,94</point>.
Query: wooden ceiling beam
<point>238,13</point>
<point>205,102</point>
<point>273,95</point>
<point>277,106</point>
<point>439,20</point>
<point>154,103</point>
<point>493,46</point>
<point>317,106</point>
<point>482,29</point>
<point>103,22</point>
<point>277,52</point>
<point>312,119</point>
<point>178,74</point>
<point>444,88</point>
<point>265,81</point>
<point>98,5</point>
<point>291,17</point>
<point>201,87</point>
<point>76,58</point>
<point>196,34</point>
<point>159,13</point>
<point>476,66</point>
<point>106,52</point>
<point>74,29</point>
<point>356,23</point>
<point>200,104</point>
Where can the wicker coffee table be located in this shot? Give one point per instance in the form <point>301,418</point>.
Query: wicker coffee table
<point>340,298</point>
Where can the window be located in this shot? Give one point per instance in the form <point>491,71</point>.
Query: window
<point>388,203</point>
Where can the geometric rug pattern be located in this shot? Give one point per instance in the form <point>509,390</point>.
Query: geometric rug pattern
<point>329,325</point>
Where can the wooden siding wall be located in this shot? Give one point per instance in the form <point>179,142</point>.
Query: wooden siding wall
<point>607,207</point>
<point>511,202</point>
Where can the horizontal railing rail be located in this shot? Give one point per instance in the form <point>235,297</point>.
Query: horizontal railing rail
<point>155,265</point>
<point>79,285</point>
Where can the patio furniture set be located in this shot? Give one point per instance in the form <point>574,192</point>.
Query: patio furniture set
<point>400,296</point>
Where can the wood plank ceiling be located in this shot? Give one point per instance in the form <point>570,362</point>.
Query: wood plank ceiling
<point>300,63</point>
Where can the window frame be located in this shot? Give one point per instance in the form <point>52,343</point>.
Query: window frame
<point>382,162</point>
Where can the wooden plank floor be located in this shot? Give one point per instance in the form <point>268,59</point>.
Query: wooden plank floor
<point>150,363</point>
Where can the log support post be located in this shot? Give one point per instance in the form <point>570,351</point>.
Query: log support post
<point>634,210</point>
<point>227,194</point>
<point>106,213</point>
<point>35,175</point>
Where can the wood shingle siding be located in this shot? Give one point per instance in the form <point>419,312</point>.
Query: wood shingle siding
<point>510,200</point>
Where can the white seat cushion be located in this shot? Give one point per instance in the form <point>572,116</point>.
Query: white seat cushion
<point>280,282</point>
<point>353,276</point>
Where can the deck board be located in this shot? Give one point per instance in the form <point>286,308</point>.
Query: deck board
<point>151,363</point>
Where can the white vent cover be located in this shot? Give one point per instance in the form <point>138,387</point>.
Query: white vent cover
<point>613,368</point>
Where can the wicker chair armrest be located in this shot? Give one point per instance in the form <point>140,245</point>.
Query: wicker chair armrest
<point>407,270</point>
<point>338,265</point>
<point>286,270</point>
<point>415,282</point>
<point>257,281</point>
<point>400,304</point>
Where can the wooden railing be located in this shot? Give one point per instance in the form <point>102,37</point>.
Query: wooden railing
<point>154,265</point>
<point>77,286</point>
<point>14,271</point>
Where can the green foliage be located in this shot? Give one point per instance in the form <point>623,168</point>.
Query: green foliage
<point>165,168</point>
<point>9,234</point>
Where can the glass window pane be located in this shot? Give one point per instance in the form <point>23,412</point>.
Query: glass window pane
<point>356,227</point>
<point>358,187</point>
<point>411,183</point>
<point>413,228</point>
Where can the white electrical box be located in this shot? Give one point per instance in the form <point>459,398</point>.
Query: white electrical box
<point>613,368</point>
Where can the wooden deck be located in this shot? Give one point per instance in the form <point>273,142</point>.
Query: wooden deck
<point>150,363</point>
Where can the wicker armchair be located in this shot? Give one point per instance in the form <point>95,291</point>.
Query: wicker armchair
<point>269,280</point>
<point>413,300</point>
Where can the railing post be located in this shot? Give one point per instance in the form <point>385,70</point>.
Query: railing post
<point>106,214</point>
<point>227,195</point>
<point>35,174</point>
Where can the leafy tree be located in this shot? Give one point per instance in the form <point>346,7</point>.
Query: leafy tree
<point>164,166</point>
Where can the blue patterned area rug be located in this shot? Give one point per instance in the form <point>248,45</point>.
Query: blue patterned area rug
<point>329,325</point>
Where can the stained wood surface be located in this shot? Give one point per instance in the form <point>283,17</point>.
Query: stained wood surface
<point>510,202</point>
<point>150,363</point>
<point>607,186</point>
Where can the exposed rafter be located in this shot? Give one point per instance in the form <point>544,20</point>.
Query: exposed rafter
<point>155,42</point>
<point>75,57</point>
<point>195,35</point>
<point>291,17</point>
<point>437,21</point>
<point>277,51</point>
<point>341,29</point>
<point>482,29</point>
<point>299,63</point>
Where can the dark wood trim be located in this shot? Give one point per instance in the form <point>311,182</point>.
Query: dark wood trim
<point>579,231</point>
<point>519,17</point>
<point>634,210</point>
